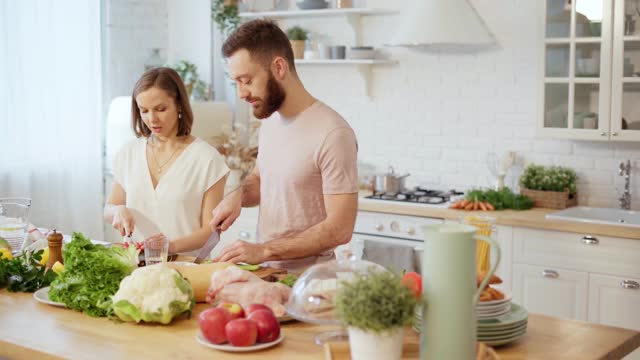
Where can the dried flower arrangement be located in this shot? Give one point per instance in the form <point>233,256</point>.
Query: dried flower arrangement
<point>240,152</point>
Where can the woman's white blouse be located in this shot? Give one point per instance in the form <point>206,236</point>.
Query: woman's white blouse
<point>174,207</point>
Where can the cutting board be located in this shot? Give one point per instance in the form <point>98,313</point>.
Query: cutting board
<point>264,273</point>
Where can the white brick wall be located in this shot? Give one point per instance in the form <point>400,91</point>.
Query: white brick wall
<point>437,115</point>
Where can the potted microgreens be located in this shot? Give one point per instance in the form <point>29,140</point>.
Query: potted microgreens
<point>376,307</point>
<point>550,186</point>
<point>297,36</point>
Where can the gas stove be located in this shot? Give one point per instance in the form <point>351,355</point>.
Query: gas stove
<point>417,195</point>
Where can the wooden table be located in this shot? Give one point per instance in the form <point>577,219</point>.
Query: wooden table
<point>30,330</point>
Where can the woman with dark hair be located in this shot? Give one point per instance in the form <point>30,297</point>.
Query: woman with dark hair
<point>165,177</point>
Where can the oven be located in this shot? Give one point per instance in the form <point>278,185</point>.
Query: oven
<point>389,240</point>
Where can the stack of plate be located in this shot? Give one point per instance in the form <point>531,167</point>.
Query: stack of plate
<point>504,329</point>
<point>499,330</point>
<point>492,309</point>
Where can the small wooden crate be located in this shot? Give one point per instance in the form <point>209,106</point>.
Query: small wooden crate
<point>550,199</point>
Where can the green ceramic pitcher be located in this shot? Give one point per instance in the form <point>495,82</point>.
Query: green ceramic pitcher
<point>449,286</point>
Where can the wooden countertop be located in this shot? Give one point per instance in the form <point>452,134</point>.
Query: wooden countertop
<point>32,330</point>
<point>534,218</point>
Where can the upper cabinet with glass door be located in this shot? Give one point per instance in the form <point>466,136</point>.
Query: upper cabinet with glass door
<point>625,99</point>
<point>590,88</point>
<point>576,84</point>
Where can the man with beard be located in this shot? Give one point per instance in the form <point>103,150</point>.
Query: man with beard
<point>305,179</point>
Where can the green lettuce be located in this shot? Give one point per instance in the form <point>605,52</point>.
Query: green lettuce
<point>92,275</point>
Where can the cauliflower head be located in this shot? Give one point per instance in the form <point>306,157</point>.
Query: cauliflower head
<point>153,294</point>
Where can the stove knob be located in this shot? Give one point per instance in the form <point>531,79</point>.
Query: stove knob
<point>379,227</point>
<point>395,226</point>
<point>411,231</point>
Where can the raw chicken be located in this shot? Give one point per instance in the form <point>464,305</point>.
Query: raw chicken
<point>240,286</point>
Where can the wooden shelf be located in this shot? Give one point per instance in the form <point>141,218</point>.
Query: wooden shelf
<point>315,13</point>
<point>344,62</point>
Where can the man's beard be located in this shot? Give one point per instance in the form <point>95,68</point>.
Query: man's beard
<point>273,99</point>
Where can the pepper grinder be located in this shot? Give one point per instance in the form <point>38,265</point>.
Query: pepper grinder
<point>55,248</point>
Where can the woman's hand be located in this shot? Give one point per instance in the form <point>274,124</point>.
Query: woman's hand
<point>123,221</point>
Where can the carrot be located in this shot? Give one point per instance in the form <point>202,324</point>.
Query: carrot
<point>475,205</point>
<point>455,205</point>
<point>469,206</point>
<point>490,207</point>
<point>464,204</point>
<point>482,206</point>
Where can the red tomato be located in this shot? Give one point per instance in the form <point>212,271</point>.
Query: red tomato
<point>413,281</point>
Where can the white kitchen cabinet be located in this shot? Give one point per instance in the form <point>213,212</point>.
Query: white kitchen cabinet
<point>615,301</point>
<point>589,84</point>
<point>551,291</point>
<point>504,238</point>
<point>575,251</point>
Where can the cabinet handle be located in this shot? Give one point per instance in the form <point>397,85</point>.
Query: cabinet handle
<point>411,231</point>
<point>590,240</point>
<point>244,235</point>
<point>379,227</point>
<point>550,274</point>
<point>603,134</point>
<point>614,134</point>
<point>630,284</point>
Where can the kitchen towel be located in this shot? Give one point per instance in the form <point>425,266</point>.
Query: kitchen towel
<point>392,256</point>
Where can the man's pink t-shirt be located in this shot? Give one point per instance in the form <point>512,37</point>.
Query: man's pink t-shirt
<point>300,160</point>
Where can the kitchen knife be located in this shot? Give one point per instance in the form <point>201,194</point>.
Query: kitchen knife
<point>213,240</point>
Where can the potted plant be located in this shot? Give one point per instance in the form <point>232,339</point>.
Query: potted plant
<point>297,36</point>
<point>189,74</point>
<point>225,14</point>
<point>549,186</point>
<point>376,307</point>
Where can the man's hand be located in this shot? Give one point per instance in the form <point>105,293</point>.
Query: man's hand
<point>242,251</point>
<point>227,211</point>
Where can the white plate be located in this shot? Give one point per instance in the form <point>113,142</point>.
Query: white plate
<point>231,348</point>
<point>507,298</point>
<point>491,316</point>
<point>42,296</point>
<point>502,306</point>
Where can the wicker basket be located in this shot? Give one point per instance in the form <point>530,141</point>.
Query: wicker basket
<point>550,199</point>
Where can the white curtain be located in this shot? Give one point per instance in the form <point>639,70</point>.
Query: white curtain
<point>50,111</point>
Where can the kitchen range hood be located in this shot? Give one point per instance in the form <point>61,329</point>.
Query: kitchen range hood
<point>442,23</point>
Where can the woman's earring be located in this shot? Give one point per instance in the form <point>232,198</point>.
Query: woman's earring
<point>180,115</point>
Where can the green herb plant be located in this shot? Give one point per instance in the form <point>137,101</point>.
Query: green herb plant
<point>549,178</point>
<point>375,302</point>
<point>189,73</point>
<point>225,14</point>
<point>501,199</point>
<point>297,33</point>
<point>24,273</point>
